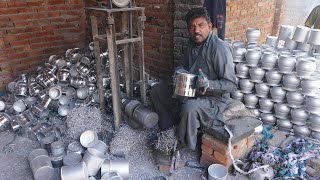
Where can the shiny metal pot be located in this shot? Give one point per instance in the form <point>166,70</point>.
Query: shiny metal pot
<point>295,99</point>
<point>273,78</point>
<point>246,85</point>
<point>299,116</point>
<point>290,82</point>
<point>277,94</point>
<point>242,70</point>
<point>269,60</point>
<point>268,118</point>
<point>262,90</point>
<point>250,100</point>
<point>265,105</point>
<point>286,64</point>
<point>301,131</point>
<point>256,74</point>
<point>281,110</point>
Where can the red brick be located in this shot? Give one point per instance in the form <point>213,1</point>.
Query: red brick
<point>55,2</point>
<point>206,149</point>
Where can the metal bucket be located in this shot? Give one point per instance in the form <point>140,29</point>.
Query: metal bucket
<point>78,172</point>
<point>185,85</point>
<point>145,116</point>
<point>217,172</point>
<point>119,165</point>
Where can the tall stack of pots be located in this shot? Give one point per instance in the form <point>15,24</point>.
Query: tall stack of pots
<point>280,82</point>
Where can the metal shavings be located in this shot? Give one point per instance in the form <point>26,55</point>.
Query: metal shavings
<point>166,140</point>
<point>82,119</point>
<point>124,139</point>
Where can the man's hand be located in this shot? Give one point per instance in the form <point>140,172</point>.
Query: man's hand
<point>202,83</point>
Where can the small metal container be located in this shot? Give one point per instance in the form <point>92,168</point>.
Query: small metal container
<point>145,116</point>
<point>262,90</point>
<point>119,165</point>
<point>88,138</point>
<point>301,34</point>
<point>35,153</point>
<point>21,89</point>
<point>277,94</point>
<point>57,148</point>
<point>42,168</point>
<point>93,160</point>
<point>75,172</point>
<point>40,111</point>
<point>281,110</point>
<point>299,116</point>
<point>72,159</point>
<point>76,147</point>
<point>5,120</point>
<point>286,31</point>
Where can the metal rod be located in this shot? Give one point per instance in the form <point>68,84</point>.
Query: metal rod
<point>102,100</point>
<point>141,20</point>
<point>114,71</point>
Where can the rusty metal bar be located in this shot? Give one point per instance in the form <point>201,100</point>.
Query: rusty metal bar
<point>98,64</point>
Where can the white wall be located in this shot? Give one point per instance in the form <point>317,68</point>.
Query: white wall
<point>295,12</point>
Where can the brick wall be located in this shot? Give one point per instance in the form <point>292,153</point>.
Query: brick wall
<point>31,31</point>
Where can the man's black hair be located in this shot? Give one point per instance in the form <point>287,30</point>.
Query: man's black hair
<point>196,13</point>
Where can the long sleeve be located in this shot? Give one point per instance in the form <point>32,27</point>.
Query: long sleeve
<point>312,17</point>
<point>224,68</point>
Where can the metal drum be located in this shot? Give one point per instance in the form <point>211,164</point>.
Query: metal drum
<point>185,85</point>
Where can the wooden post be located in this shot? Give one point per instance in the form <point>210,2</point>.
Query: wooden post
<point>98,64</point>
<point>114,70</point>
<point>141,20</point>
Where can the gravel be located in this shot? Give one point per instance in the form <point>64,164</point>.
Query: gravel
<point>82,119</point>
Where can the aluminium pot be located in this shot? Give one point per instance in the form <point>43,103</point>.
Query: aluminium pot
<point>267,118</point>
<point>286,31</point>
<point>272,41</point>
<point>286,64</point>
<point>262,89</point>
<point>295,99</point>
<point>315,135</point>
<point>305,66</point>
<point>93,160</point>
<point>301,34</point>
<point>242,70</point>
<point>75,172</point>
<point>269,60</point>
<point>273,78</point>
<point>313,104</point>
<point>284,125</point>
<point>314,37</point>
<point>265,105</point>
<point>246,85</point>
<point>256,74</point>
<point>253,35</point>
<point>238,53</point>
<point>250,100</point>
<point>290,82</point>
<point>303,47</point>
<point>277,94</point>
<point>301,131</point>
<point>119,165</point>
<point>237,95</point>
<point>72,159</point>
<point>290,44</point>
<point>252,57</point>
<point>42,168</point>
<point>281,110</point>
<point>299,116</point>
<point>311,86</point>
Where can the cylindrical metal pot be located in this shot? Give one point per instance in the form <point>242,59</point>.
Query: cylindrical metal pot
<point>281,110</point>
<point>55,92</point>
<point>305,67</point>
<point>290,44</point>
<point>252,57</point>
<point>93,160</point>
<point>256,74</point>
<point>100,147</point>
<point>295,99</point>
<point>284,125</point>
<point>272,41</point>
<point>88,138</point>
<point>301,131</point>
<point>237,95</point>
<point>114,175</point>
<point>303,47</point>
<point>19,106</point>
<point>314,37</point>
<point>290,82</point>
<point>314,122</point>
<point>250,100</point>
<point>286,31</point>
<point>57,148</point>
<point>253,35</point>
<point>277,94</point>
<point>273,78</point>
<point>313,105</point>
<point>40,111</point>
<point>21,89</point>
<point>286,64</point>
<point>269,60</point>
<point>72,159</point>
<point>310,87</point>
<point>315,135</point>
<point>299,116</point>
<point>267,118</point>
<point>238,53</point>
<point>42,167</point>
<point>119,165</point>
<point>63,110</point>
<point>75,172</point>
<point>35,153</point>
<point>242,70</point>
<point>34,88</point>
<point>145,116</point>
<point>262,90</point>
<point>301,34</point>
<point>246,85</point>
<point>76,147</point>
<point>5,120</point>
<point>130,107</point>
<point>266,105</point>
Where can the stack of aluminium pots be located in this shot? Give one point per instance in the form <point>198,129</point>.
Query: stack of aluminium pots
<point>280,84</point>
